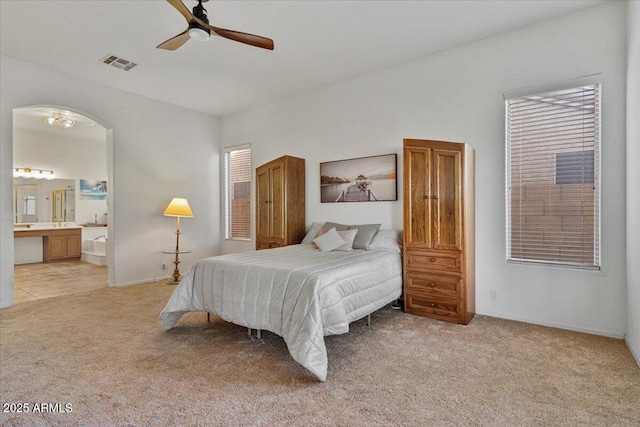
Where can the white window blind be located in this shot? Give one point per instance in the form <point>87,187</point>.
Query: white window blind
<point>553,157</point>
<point>237,182</point>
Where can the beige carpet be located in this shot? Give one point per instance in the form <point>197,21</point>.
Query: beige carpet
<point>104,353</point>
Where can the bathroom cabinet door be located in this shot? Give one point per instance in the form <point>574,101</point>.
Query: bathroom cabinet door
<point>57,247</point>
<point>74,246</point>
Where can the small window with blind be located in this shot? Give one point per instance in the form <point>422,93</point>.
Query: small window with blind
<point>553,155</point>
<point>237,190</point>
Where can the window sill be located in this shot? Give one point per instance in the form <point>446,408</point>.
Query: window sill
<point>555,265</point>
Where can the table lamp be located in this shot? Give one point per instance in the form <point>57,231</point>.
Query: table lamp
<point>179,208</point>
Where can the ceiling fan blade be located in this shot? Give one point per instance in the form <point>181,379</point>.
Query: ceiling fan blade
<point>238,36</point>
<point>246,38</point>
<point>182,9</point>
<point>175,42</point>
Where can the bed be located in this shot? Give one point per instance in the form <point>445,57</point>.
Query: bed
<point>297,292</point>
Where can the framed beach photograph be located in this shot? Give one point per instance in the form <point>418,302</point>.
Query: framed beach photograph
<point>93,189</point>
<point>365,179</point>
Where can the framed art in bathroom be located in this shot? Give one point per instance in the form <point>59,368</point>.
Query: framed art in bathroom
<point>93,189</point>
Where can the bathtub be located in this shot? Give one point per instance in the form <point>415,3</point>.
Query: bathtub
<point>94,251</point>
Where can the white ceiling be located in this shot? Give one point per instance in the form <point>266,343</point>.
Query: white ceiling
<point>317,43</point>
<point>32,119</point>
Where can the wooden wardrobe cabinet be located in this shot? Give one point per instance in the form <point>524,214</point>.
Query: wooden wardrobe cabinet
<point>439,233</point>
<point>280,210</point>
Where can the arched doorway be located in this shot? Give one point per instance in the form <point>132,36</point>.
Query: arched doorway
<point>76,149</point>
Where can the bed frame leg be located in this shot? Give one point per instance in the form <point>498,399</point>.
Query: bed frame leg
<point>208,317</point>
<point>258,332</point>
<point>368,319</point>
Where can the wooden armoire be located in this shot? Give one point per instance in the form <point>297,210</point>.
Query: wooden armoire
<point>280,209</point>
<point>439,233</point>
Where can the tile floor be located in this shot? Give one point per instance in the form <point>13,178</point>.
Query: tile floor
<point>52,279</point>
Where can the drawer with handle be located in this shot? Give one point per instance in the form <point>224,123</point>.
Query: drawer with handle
<point>437,284</point>
<point>443,308</point>
<point>449,261</point>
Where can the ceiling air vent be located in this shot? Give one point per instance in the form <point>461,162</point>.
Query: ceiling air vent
<point>120,63</point>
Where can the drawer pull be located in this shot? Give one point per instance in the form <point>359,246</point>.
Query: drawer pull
<point>432,259</point>
<point>432,284</point>
<point>433,304</point>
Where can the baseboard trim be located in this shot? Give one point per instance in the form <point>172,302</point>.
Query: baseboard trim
<point>634,353</point>
<point>553,325</point>
<point>139,282</point>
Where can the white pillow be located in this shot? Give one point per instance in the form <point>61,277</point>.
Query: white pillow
<point>348,236</point>
<point>312,233</point>
<point>329,241</point>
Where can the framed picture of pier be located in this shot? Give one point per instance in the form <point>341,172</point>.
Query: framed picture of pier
<point>365,179</point>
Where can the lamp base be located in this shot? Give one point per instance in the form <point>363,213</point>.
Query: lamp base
<point>174,281</point>
<point>176,277</point>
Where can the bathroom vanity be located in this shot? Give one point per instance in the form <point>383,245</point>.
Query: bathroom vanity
<point>57,243</point>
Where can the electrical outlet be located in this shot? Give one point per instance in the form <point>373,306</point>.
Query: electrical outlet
<point>493,294</point>
<point>164,266</point>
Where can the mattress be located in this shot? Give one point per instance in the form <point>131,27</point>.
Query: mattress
<point>296,291</point>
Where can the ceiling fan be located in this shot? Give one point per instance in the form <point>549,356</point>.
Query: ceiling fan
<point>200,29</point>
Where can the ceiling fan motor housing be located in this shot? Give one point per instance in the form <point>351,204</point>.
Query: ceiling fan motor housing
<point>201,13</point>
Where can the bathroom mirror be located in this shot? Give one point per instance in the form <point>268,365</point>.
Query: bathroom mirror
<point>34,200</point>
<point>64,205</point>
<point>25,201</point>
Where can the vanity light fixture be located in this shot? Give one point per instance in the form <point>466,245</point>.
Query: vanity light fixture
<point>33,173</point>
<point>59,120</point>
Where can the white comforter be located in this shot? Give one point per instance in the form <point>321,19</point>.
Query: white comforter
<point>296,292</point>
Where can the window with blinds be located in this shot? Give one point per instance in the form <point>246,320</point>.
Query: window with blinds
<point>237,183</point>
<point>553,156</point>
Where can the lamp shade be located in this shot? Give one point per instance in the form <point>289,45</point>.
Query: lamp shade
<point>178,207</point>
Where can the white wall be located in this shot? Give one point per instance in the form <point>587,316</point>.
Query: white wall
<point>69,158</point>
<point>633,179</point>
<point>159,151</point>
<point>457,95</point>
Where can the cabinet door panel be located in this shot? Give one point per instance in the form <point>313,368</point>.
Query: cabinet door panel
<point>74,247</point>
<point>57,249</point>
<point>262,204</point>
<point>417,192</point>
<point>447,198</point>
<point>277,202</point>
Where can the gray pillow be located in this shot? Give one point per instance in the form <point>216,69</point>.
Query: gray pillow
<point>366,232</point>
<point>312,233</point>
<point>329,225</point>
<point>390,240</point>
